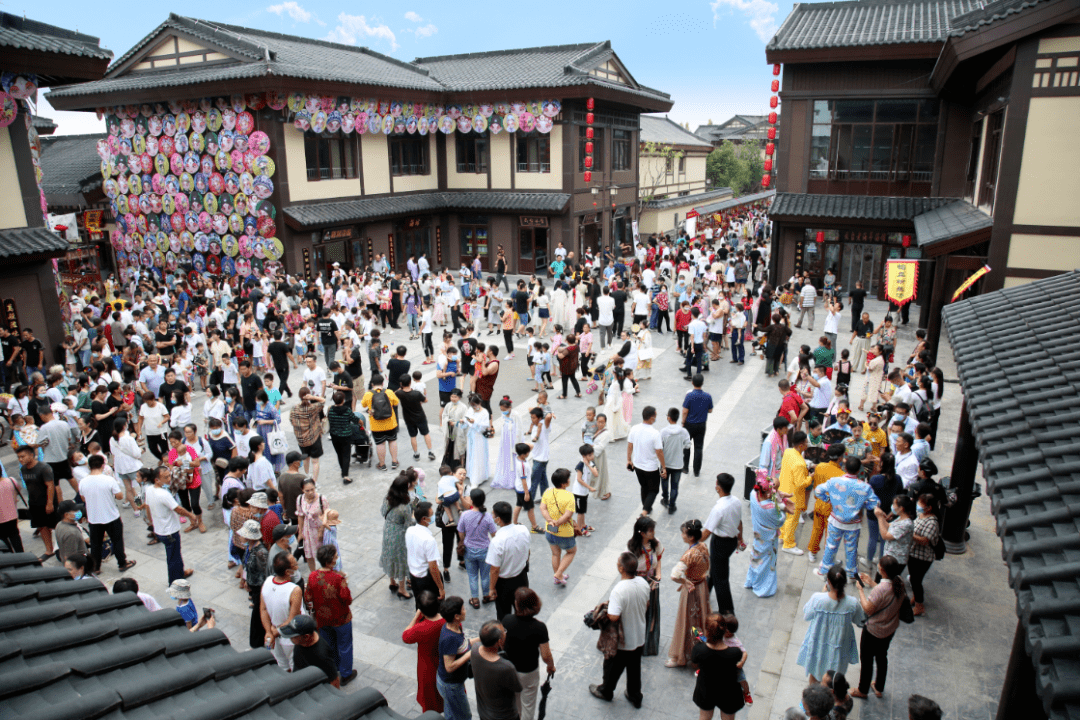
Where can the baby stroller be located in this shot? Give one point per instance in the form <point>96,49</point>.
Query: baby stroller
<point>361,440</point>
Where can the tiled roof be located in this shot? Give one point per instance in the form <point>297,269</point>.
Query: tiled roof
<point>862,23</point>
<point>539,67</point>
<point>1026,427</point>
<point>73,651</point>
<point>30,241</point>
<point>70,167</point>
<point>853,207</point>
<point>950,221</point>
<point>18,33</point>
<point>990,13</point>
<point>44,125</point>
<point>680,200</point>
<point>736,202</point>
<point>342,211</point>
<point>668,132</point>
<point>261,54</point>
<point>750,127</point>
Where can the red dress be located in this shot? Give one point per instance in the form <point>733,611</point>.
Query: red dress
<point>425,634</point>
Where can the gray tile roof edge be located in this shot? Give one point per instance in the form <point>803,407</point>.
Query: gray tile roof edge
<point>975,220</point>
<point>688,138</point>
<point>48,241</point>
<point>81,46</point>
<point>512,51</point>
<point>990,19</point>
<point>782,198</point>
<point>736,201</point>
<point>680,200</point>
<point>420,202</point>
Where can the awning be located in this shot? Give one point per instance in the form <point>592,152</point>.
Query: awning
<point>810,207</point>
<point>734,202</point>
<point>1017,354</point>
<point>18,242</point>
<point>682,200</point>
<point>952,227</point>
<point>336,213</point>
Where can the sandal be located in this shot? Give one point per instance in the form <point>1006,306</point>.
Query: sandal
<point>562,397</point>
<point>380,467</point>
<point>488,599</point>
<point>393,587</point>
<point>404,596</point>
<point>154,541</point>
<point>606,497</point>
<point>876,691</point>
<point>475,603</point>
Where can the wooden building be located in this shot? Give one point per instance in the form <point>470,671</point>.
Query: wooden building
<point>941,130</point>
<point>361,154</point>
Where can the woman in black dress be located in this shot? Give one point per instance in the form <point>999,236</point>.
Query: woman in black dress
<point>718,673</point>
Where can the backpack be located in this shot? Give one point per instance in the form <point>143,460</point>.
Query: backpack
<point>381,409</point>
<point>922,414</point>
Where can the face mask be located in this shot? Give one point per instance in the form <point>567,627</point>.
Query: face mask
<point>923,510</point>
<point>505,412</point>
<point>217,433</point>
<point>78,515</point>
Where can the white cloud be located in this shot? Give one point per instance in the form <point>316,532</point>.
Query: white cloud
<point>760,13</point>
<point>68,122</point>
<point>352,29</point>
<point>413,17</point>
<point>426,30</point>
<point>292,9</point>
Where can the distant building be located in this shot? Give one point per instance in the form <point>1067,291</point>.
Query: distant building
<point>738,130</point>
<point>671,175</point>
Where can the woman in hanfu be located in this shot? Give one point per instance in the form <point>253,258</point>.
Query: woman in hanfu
<point>475,424</point>
<point>768,510</point>
<point>504,476</point>
<point>692,574</point>
<point>456,436</point>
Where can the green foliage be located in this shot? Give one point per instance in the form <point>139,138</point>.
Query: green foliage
<point>738,167</point>
<point>655,172</point>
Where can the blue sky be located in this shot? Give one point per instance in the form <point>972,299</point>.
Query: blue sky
<point>708,54</point>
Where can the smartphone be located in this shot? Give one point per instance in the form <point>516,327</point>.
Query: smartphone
<point>858,580</point>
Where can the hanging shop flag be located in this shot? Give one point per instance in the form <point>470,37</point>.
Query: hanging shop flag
<point>901,280</point>
<point>966,285</point>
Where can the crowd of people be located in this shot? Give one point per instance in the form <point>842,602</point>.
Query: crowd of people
<point>109,434</point>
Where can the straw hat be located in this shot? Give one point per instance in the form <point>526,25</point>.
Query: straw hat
<point>180,590</point>
<point>251,530</point>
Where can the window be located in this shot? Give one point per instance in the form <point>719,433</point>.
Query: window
<point>669,165</point>
<point>533,152</point>
<point>991,158</point>
<point>973,158</point>
<point>330,156</point>
<point>474,238</point>
<point>620,149</point>
<point>472,152</point>
<point>597,153</point>
<point>409,155</point>
<point>883,140</point>
<point>682,165</point>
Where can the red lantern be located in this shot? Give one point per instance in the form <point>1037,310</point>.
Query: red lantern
<point>765,180</point>
<point>775,85</point>
<point>820,237</point>
<point>589,133</point>
<point>590,103</point>
<point>588,162</point>
<point>906,241</point>
<point>589,117</point>
<point>767,164</point>
<point>772,118</point>
<point>771,133</point>
<point>770,147</point>
<point>588,176</point>
<point>773,101</point>
<point>612,206</point>
<point>776,69</point>
<point>594,203</point>
<point>588,148</point>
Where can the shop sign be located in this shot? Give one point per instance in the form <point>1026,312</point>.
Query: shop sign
<point>866,236</point>
<point>390,244</point>
<point>901,280</point>
<point>345,233</point>
<point>11,315</point>
<point>691,214</point>
<point>595,218</point>
<point>533,221</point>
<point>438,244</point>
<point>413,223</point>
<point>92,220</point>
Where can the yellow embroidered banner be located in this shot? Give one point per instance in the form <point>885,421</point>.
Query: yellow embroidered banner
<point>901,280</point>
<point>966,285</point>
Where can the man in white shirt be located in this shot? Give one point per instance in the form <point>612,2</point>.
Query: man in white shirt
<point>645,457</point>
<point>508,557</point>
<point>606,318</point>
<point>315,379</point>
<point>628,603</point>
<point>819,402</point>
<point>807,299</point>
<point>422,553</point>
<point>164,510</point>
<point>724,527</point>
<point>696,329</point>
<point>100,493</point>
<point>907,465</point>
<point>640,302</point>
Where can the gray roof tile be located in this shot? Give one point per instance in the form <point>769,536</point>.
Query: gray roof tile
<point>861,23</point>
<point>369,208</point>
<point>1026,428</point>
<point>69,167</point>
<point>853,207</point>
<point>44,125</point>
<point>680,200</point>
<point>735,202</point>
<point>22,34</point>
<point>668,132</point>
<point>950,221</point>
<point>30,241</point>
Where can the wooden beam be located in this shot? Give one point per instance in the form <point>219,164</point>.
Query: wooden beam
<point>1004,63</point>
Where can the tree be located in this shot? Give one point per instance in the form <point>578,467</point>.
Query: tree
<point>738,167</point>
<point>750,154</point>
<point>652,172</point>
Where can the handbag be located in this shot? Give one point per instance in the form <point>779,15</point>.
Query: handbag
<point>276,440</point>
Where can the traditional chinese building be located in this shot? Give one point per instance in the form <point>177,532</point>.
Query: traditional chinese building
<point>269,151</point>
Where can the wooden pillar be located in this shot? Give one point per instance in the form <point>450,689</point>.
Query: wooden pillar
<point>1018,695</point>
<point>965,463</point>
<point>931,319</point>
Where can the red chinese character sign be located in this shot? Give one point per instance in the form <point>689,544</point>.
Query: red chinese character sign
<point>901,281</point>
<point>966,285</point>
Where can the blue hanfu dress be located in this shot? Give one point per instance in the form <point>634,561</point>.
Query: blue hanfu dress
<point>767,519</point>
<point>476,456</point>
<point>266,411</point>
<point>503,477</point>
<point>830,642</point>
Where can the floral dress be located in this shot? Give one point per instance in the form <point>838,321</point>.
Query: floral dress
<point>268,412</point>
<point>397,520</point>
<point>312,514</point>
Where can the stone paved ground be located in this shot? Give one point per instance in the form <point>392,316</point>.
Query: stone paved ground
<point>956,653</point>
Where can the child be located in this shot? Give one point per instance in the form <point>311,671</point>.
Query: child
<point>70,359</point>
<point>543,366</point>
<point>330,521</point>
<point>731,624</point>
<point>556,343</point>
<point>451,485</point>
<point>542,402</point>
<point>581,488</point>
<point>201,361</point>
<point>258,350</point>
<point>271,393</point>
<point>242,434</point>
<point>230,373</point>
<point>682,322</point>
<point>521,485</point>
<point>418,382</point>
<point>589,427</point>
<point>843,368</point>
<point>180,590</point>
<point>530,353</point>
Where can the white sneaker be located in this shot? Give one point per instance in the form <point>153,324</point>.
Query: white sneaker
<point>820,572</point>
<point>812,557</point>
<point>125,504</point>
<point>793,551</point>
<point>802,518</point>
<point>510,356</point>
